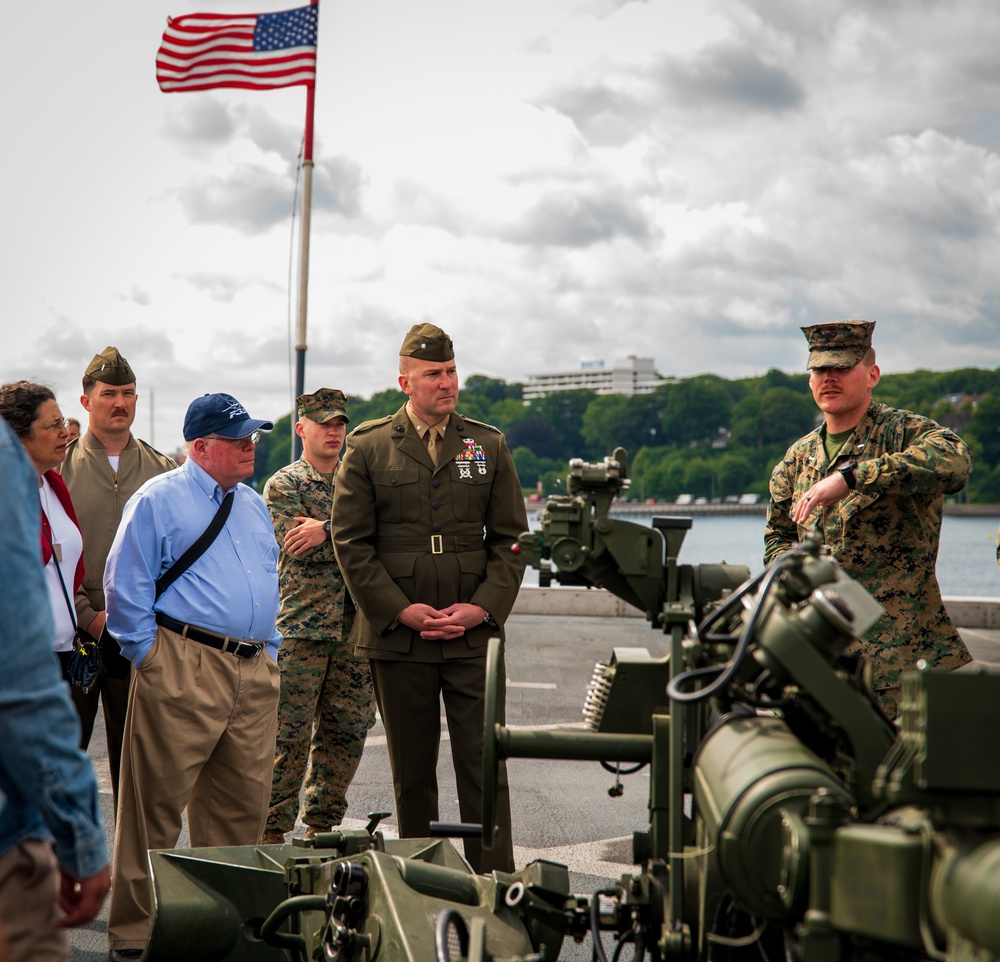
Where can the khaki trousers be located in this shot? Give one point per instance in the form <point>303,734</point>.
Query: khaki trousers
<point>199,735</point>
<point>29,888</point>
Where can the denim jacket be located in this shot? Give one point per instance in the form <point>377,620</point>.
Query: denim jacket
<point>48,789</point>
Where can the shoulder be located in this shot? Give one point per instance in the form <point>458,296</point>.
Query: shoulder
<point>472,426</point>
<point>287,477</point>
<point>372,427</point>
<point>472,423</point>
<point>148,453</point>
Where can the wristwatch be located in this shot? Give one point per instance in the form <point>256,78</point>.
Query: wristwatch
<point>326,527</point>
<point>488,620</point>
<point>849,472</point>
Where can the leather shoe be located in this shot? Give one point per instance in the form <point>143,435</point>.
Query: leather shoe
<point>125,955</point>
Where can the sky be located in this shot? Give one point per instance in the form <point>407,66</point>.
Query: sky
<point>553,182</point>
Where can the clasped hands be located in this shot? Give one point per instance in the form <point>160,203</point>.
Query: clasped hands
<point>444,624</point>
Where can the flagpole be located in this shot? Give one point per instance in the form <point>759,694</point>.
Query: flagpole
<point>303,305</point>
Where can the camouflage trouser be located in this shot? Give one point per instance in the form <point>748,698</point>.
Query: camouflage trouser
<point>325,710</point>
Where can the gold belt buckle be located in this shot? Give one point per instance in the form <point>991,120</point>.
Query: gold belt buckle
<point>437,544</point>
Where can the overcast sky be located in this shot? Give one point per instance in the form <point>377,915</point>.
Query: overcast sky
<point>551,181</point>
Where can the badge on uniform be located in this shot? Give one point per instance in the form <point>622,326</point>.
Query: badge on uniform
<point>471,454</point>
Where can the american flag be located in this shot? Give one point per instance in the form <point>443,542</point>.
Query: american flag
<point>261,51</point>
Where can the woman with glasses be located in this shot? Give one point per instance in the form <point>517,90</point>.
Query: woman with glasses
<point>33,413</point>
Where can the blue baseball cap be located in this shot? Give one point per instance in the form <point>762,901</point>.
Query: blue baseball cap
<point>220,414</point>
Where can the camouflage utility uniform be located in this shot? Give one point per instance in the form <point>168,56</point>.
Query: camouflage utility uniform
<point>323,683</point>
<point>884,533</point>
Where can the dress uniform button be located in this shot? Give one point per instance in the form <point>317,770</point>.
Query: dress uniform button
<point>393,482</point>
<point>436,483</point>
<point>436,526</point>
<point>435,505</point>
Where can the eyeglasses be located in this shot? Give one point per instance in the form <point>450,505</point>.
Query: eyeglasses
<point>246,442</point>
<point>60,424</point>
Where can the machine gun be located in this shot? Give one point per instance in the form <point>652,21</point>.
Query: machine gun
<point>788,819</point>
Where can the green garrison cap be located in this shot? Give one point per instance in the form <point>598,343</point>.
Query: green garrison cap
<point>323,405</point>
<point>838,343</point>
<point>428,343</point>
<point>111,368</point>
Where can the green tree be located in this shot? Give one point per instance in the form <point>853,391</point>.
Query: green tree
<point>985,428</point>
<point>563,412</point>
<point>605,422</point>
<point>696,408</point>
<point>777,416</point>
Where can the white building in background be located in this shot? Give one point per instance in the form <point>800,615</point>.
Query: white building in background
<point>628,375</point>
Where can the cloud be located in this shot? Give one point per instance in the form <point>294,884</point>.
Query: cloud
<point>578,219</point>
<point>252,199</point>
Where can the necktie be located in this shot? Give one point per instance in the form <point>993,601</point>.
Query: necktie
<point>431,440</point>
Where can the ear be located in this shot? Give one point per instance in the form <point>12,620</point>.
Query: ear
<point>404,384</point>
<point>874,375</point>
<point>298,428</point>
<point>85,402</point>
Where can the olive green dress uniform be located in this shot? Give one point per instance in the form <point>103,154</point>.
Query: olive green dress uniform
<point>99,494</point>
<point>326,704</point>
<point>408,532</point>
<point>884,533</point>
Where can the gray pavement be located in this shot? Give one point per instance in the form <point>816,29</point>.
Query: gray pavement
<point>561,810</point>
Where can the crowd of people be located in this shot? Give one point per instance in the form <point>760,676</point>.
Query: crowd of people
<point>246,639</point>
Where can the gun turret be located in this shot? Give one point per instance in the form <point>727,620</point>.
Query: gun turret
<point>788,818</point>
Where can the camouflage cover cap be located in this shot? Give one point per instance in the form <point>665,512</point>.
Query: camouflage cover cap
<point>323,405</point>
<point>838,343</point>
<point>111,368</point>
<point>428,343</point>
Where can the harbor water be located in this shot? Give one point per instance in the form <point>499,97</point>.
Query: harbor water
<point>967,561</point>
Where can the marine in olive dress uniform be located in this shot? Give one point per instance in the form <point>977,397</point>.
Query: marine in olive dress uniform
<point>873,479</point>
<point>423,540</point>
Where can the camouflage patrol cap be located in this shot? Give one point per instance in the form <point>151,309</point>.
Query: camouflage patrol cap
<point>427,343</point>
<point>838,343</point>
<point>111,368</point>
<point>323,405</point>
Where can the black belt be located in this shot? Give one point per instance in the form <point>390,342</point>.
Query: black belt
<point>433,544</point>
<point>233,646</point>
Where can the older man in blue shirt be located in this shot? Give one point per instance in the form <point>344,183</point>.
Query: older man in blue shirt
<point>202,712</point>
<point>52,851</point>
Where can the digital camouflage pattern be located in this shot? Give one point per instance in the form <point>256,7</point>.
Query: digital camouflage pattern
<point>840,344</point>
<point>326,705</point>
<point>885,533</point>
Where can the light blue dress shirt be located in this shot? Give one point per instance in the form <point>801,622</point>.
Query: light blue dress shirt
<point>232,589</point>
<point>48,789</point>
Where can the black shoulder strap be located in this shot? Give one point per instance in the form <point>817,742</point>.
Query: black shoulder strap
<point>197,549</point>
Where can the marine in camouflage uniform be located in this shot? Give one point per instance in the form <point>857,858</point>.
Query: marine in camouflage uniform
<point>878,501</point>
<point>326,704</point>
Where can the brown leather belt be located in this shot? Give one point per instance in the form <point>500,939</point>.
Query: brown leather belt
<point>232,646</point>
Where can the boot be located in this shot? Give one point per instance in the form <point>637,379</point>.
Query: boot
<point>272,836</point>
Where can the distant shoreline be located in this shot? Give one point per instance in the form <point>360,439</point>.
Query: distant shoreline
<point>672,508</point>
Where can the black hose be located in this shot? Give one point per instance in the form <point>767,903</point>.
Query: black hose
<point>595,923</point>
<point>727,671</point>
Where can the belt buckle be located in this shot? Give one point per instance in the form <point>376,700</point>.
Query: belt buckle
<point>240,645</point>
<point>437,544</point>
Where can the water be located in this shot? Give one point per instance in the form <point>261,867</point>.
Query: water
<point>967,562</point>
